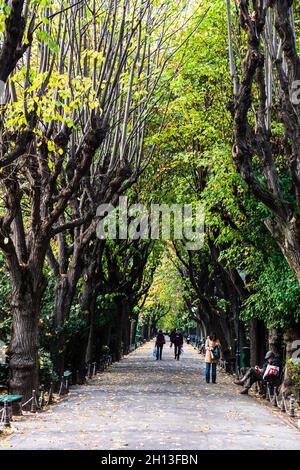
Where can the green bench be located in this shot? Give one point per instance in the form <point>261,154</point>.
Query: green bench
<point>65,382</point>
<point>9,400</point>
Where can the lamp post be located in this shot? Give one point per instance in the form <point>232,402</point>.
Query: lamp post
<point>194,310</point>
<point>238,346</point>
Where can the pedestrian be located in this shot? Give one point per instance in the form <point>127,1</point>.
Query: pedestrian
<point>160,341</point>
<point>172,336</point>
<point>269,372</point>
<point>178,343</point>
<point>212,356</point>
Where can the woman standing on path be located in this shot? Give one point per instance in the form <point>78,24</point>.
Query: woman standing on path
<point>212,356</point>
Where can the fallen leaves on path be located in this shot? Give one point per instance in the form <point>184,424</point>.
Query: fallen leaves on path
<point>141,404</point>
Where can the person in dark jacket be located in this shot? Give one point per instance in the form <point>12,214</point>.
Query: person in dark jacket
<point>160,341</point>
<point>172,336</point>
<point>178,342</point>
<point>256,374</point>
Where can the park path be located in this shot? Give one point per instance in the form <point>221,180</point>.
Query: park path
<point>140,403</point>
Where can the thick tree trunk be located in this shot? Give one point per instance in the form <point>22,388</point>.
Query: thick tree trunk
<point>89,355</point>
<point>133,326</point>
<point>257,342</point>
<point>275,341</point>
<point>64,292</point>
<point>116,338</point>
<point>23,350</point>
<point>217,326</point>
<point>126,326</point>
<point>24,364</point>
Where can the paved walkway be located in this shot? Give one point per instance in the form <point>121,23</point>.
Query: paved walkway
<point>140,403</point>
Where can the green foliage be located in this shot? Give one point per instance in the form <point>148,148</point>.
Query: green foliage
<point>165,305</point>
<point>275,294</point>
<point>5,307</point>
<point>194,164</point>
<point>293,366</point>
<point>47,374</point>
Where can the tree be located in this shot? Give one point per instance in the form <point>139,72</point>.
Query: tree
<point>267,155</point>
<point>66,96</point>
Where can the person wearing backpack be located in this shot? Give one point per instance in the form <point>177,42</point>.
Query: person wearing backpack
<point>212,356</point>
<point>160,341</point>
<point>178,343</point>
<point>172,336</point>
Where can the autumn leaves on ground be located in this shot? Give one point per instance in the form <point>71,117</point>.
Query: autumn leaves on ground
<point>141,403</point>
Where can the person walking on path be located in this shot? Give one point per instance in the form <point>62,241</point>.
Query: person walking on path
<point>160,341</point>
<point>172,336</point>
<point>178,343</point>
<point>212,355</point>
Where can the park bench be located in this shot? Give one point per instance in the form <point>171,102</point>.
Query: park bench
<point>270,389</point>
<point>66,381</point>
<point>201,348</point>
<point>108,360</point>
<point>10,399</point>
<point>6,403</point>
<point>104,362</point>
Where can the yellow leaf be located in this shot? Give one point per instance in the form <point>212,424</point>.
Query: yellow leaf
<point>51,145</point>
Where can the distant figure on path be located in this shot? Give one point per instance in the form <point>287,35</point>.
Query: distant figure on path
<point>160,341</point>
<point>270,371</point>
<point>172,336</point>
<point>212,356</point>
<point>178,343</point>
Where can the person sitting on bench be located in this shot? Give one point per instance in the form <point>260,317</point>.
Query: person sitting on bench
<point>269,372</point>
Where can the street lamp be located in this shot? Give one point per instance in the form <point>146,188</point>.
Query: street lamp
<point>242,275</point>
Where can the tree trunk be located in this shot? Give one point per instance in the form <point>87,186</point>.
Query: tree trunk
<point>117,333</point>
<point>257,342</point>
<point>64,292</point>
<point>133,326</point>
<point>275,341</point>
<point>217,326</point>
<point>89,355</point>
<point>23,350</point>
<point>126,326</point>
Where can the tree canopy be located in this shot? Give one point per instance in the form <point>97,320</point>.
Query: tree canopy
<point>172,102</point>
